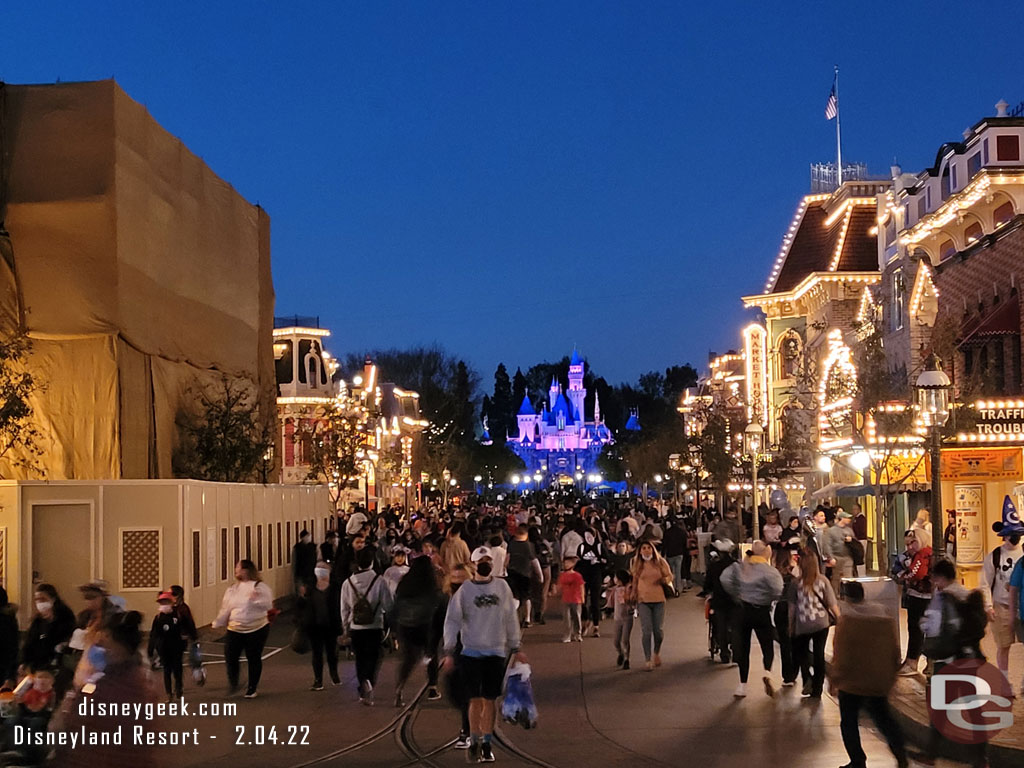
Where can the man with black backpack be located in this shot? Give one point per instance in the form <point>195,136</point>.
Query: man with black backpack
<point>365,599</point>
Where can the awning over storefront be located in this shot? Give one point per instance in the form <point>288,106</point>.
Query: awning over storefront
<point>826,491</point>
<point>855,490</point>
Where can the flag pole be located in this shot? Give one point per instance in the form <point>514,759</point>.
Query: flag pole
<point>839,141</point>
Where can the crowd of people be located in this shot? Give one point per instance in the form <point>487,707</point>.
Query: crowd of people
<point>459,589</point>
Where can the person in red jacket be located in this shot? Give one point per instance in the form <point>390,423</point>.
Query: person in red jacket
<point>570,585</point>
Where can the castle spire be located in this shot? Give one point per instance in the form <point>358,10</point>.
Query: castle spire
<point>597,407</point>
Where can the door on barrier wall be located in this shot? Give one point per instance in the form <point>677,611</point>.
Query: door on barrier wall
<point>62,547</point>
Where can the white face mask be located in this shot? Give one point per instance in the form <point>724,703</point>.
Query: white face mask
<point>166,608</point>
<point>647,557</point>
<point>44,607</point>
<point>321,573</point>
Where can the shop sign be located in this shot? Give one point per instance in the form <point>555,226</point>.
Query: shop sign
<point>1000,421</point>
<point>756,348</point>
<point>970,522</point>
<point>986,464</point>
<point>901,470</point>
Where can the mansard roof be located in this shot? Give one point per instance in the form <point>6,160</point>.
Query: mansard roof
<point>826,237</point>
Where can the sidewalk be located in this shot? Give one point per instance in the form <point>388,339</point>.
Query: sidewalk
<point>908,699</point>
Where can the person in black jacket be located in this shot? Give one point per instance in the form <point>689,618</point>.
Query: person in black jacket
<point>674,549</point>
<point>321,624</point>
<point>47,637</point>
<point>8,640</point>
<point>416,600</point>
<point>590,563</point>
<point>723,609</point>
<point>329,550</point>
<point>167,641</point>
<point>304,558</point>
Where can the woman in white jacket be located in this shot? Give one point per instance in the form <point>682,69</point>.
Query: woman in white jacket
<point>244,612</point>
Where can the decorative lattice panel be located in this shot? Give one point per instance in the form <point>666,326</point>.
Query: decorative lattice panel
<point>140,559</point>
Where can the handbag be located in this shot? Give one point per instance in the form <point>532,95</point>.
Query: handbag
<point>300,641</point>
<point>831,616</point>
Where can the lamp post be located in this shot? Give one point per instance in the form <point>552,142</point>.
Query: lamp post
<point>673,464</point>
<point>446,476</point>
<point>753,434</point>
<point>933,409</point>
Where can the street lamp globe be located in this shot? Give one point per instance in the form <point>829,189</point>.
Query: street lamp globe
<point>933,394</point>
<point>860,460</point>
<point>515,479</point>
<point>477,478</point>
<point>657,478</point>
<point>579,476</point>
<point>537,477</point>
<point>825,464</point>
<point>753,434</point>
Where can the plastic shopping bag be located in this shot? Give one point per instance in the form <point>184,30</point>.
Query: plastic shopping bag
<point>518,706</point>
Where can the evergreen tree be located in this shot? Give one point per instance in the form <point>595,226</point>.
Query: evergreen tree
<point>502,410</point>
<point>519,388</point>
<point>462,395</point>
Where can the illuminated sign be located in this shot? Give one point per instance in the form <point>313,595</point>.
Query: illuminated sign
<point>755,339</point>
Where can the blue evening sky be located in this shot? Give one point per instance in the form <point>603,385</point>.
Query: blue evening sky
<point>511,178</point>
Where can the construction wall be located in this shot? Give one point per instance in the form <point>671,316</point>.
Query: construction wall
<point>142,536</point>
<point>140,275</point>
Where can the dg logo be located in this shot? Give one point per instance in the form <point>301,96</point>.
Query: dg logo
<point>969,701</point>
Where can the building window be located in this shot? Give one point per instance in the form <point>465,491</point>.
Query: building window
<point>223,554</point>
<point>1007,148</point>
<point>197,578</point>
<point>270,546</point>
<point>973,164</point>
<point>944,183</point>
<point>898,301</point>
<point>984,152</point>
<point>259,547</point>
<point>248,542</point>
<point>973,233</point>
<point>288,551</point>
<point>946,250</point>
<point>280,557</point>
<point>1002,214</point>
<point>238,545</point>
<point>283,361</point>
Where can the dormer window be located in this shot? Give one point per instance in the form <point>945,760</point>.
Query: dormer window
<point>1007,148</point>
<point>945,183</point>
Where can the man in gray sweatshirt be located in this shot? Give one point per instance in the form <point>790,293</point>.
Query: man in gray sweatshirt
<point>483,614</point>
<point>754,584</point>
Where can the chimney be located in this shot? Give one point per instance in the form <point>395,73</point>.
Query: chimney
<point>1001,108</point>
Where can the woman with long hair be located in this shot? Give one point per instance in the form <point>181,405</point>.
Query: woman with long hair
<point>244,612</point>
<point>788,569</point>
<point>813,608</point>
<point>454,550</point>
<point>651,577</point>
<point>416,599</point>
<point>53,623</point>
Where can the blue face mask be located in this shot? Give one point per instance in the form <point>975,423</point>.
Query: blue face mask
<point>97,657</point>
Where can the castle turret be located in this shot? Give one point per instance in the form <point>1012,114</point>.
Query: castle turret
<point>577,393</point>
<point>553,392</point>
<point>527,419</point>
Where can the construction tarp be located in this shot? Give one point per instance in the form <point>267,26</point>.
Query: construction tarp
<point>139,274</point>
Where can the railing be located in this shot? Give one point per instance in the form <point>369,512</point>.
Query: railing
<point>297,321</point>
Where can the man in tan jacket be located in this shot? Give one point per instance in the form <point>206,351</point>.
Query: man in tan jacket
<point>865,659</point>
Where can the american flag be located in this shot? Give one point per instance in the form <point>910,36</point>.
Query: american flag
<point>832,107</point>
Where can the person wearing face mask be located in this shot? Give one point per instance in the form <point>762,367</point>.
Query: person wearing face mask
<point>99,612</point>
<point>167,643</point>
<point>47,637</point>
<point>482,615</point>
<point>317,622</point>
<point>652,578</point>
<point>995,583</point>
<point>244,612</point>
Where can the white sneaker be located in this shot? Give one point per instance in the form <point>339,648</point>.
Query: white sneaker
<point>741,691</point>
<point>567,639</point>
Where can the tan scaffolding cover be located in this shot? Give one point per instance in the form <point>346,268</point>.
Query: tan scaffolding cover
<point>138,272</point>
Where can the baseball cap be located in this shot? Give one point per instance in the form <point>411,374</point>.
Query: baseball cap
<point>165,596</point>
<point>480,553</point>
<point>845,515</point>
<point>96,585</point>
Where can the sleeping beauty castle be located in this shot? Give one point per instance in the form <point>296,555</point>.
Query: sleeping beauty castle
<point>558,441</point>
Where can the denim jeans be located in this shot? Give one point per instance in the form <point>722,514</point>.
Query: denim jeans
<point>652,617</point>
<point>676,564</point>
<point>623,629</point>
<point>573,622</point>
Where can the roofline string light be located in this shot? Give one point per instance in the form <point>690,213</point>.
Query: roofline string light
<point>787,239</point>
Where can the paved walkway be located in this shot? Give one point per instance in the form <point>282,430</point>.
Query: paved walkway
<point>590,713</point>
